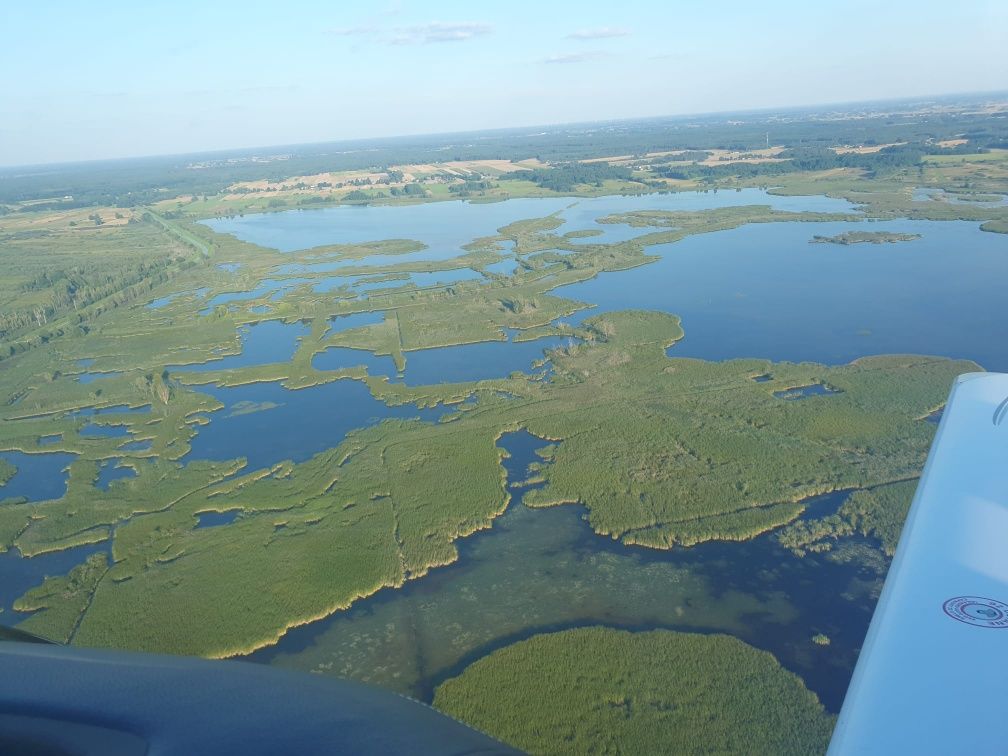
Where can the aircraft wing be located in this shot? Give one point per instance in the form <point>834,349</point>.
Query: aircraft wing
<point>932,676</point>
<point>63,700</point>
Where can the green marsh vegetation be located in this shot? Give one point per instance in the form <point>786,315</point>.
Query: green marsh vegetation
<point>747,471</point>
<point>876,513</point>
<point>864,237</point>
<point>663,452</point>
<point>727,460</point>
<point>599,690</point>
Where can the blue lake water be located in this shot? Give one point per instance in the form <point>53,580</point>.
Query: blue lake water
<point>475,362</point>
<point>446,226</point>
<point>584,213</point>
<point>443,226</point>
<point>21,574</point>
<point>105,431</point>
<point>356,320</point>
<point>301,424</point>
<point>91,377</point>
<point>139,446</point>
<point>332,283</point>
<point>764,291</point>
<point>274,287</point>
<point>505,267</point>
<point>216,519</point>
<point>110,472</point>
<point>39,477</point>
<point>804,392</point>
<point>160,302</point>
<point>261,344</point>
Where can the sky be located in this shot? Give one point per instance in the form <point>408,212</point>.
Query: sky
<point>85,81</point>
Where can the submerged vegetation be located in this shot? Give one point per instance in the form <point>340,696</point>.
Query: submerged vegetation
<point>598,690</point>
<point>873,512</point>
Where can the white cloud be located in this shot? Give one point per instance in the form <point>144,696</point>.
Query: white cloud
<point>352,31</point>
<point>439,31</point>
<point>578,57</point>
<point>602,32</point>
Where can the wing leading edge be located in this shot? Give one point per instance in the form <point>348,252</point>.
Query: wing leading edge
<point>932,676</point>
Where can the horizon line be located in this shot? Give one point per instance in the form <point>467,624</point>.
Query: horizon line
<point>556,125</point>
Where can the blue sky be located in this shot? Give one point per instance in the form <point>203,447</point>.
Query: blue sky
<point>114,79</point>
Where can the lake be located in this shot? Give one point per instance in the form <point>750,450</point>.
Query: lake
<point>267,423</point>
<point>763,291</point>
<point>446,226</point>
<point>39,476</point>
<point>261,344</point>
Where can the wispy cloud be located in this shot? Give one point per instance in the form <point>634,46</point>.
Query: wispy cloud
<point>578,57</point>
<point>670,56</point>
<point>439,31</point>
<point>352,31</point>
<point>602,32</point>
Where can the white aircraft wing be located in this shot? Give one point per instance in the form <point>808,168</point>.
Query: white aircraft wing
<point>932,676</point>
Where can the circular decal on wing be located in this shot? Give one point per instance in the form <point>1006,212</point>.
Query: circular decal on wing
<point>978,611</point>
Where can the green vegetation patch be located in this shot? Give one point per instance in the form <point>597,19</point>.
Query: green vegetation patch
<point>874,513</point>
<point>598,690</point>
<point>61,601</point>
<point>384,507</point>
<point>668,452</point>
<point>7,471</point>
<point>864,237</point>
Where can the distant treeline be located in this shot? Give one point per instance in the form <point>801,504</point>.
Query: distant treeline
<point>813,159</point>
<point>134,182</point>
<point>566,176</point>
<point>469,186</point>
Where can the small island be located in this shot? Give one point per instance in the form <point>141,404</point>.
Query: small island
<point>864,237</point>
<point>603,690</point>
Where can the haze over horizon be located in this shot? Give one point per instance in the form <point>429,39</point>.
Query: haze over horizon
<point>135,81</point>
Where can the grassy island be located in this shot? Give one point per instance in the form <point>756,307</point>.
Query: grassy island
<point>598,690</point>
<point>864,237</point>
